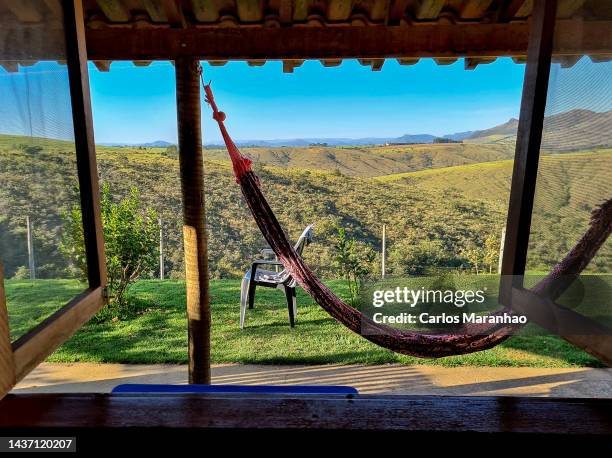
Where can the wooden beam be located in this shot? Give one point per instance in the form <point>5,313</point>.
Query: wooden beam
<point>55,8</point>
<point>339,10</point>
<point>155,9</point>
<point>194,226</point>
<point>78,78</point>
<point>331,62</point>
<point>25,10</point>
<point>472,62</point>
<point>474,9</point>
<point>526,158</point>
<point>583,332</point>
<point>285,12</point>
<point>380,10</point>
<point>321,42</point>
<point>301,10</point>
<point>102,65</point>
<point>408,61</point>
<point>518,416</point>
<point>7,361</point>
<point>10,67</point>
<point>174,12</point>
<point>114,10</point>
<point>245,43</point>
<point>445,60</point>
<point>290,65</point>
<point>250,10</point>
<point>203,10</point>
<point>429,9</point>
<point>508,11</point>
<point>33,348</point>
<point>567,8</point>
<point>397,10</point>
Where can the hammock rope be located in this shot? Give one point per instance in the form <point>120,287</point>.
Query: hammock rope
<point>467,339</point>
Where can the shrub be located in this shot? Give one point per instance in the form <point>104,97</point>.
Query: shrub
<point>130,242</point>
<point>353,261</point>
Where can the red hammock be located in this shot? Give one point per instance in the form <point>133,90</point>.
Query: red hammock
<point>469,338</point>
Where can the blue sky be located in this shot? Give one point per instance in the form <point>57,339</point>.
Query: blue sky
<point>137,104</point>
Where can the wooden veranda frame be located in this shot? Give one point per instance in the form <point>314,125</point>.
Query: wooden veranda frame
<point>407,413</point>
<point>23,355</point>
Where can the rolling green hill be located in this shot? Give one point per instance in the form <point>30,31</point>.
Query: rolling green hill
<point>374,160</point>
<point>455,196</point>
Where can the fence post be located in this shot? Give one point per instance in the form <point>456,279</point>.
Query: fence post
<point>384,250</point>
<point>31,265</point>
<point>501,250</point>
<point>161,251</point>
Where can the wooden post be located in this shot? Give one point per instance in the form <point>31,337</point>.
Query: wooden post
<point>31,264</point>
<point>384,250</point>
<point>194,233</point>
<point>161,250</point>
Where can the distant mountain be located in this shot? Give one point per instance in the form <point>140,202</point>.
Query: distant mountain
<point>572,130</point>
<point>155,144</point>
<point>508,128</point>
<point>301,142</point>
<point>418,138</point>
<point>459,136</point>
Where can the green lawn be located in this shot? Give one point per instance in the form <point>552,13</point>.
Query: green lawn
<point>158,333</point>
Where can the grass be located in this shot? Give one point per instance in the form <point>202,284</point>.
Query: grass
<point>158,333</point>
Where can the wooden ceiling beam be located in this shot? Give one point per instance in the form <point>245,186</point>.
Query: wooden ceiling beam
<point>301,10</point>
<point>474,9</point>
<point>205,10</point>
<point>55,8</point>
<point>516,9</point>
<point>102,65</point>
<point>285,12</point>
<point>445,60</point>
<point>339,10</point>
<point>472,62</point>
<point>155,9</point>
<point>321,43</point>
<point>567,8</point>
<point>290,65</point>
<point>25,10</point>
<point>114,10</point>
<point>429,9</point>
<point>250,10</point>
<point>313,42</point>
<point>397,9</point>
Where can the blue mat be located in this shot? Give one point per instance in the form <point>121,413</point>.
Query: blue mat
<point>255,389</point>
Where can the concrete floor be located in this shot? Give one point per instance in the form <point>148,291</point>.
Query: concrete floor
<point>387,379</point>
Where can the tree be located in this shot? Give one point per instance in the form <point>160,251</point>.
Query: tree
<point>130,241</point>
<point>414,256</point>
<point>491,250</point>
<point>474,255</point>
<point>353,262</point>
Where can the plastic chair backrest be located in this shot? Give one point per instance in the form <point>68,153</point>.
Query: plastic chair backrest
<point>304,239</point>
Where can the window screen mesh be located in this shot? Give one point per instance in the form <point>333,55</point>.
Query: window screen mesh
<point>575,169</point>
<point>37,165</point>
